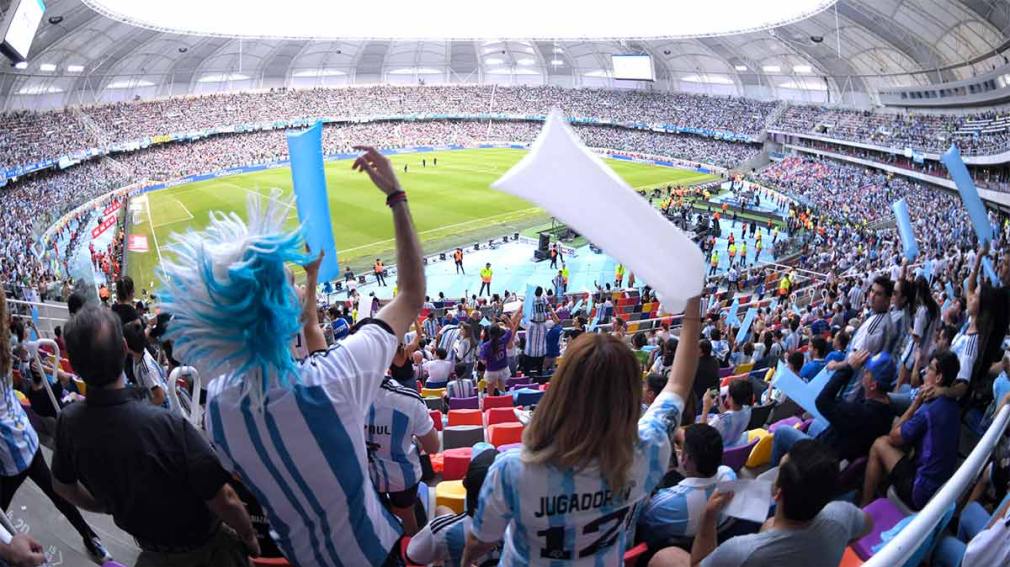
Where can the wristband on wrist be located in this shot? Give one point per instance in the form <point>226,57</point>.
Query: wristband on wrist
<point>395,197</point>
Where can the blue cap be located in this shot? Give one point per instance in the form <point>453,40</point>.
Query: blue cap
<point>883,369</point>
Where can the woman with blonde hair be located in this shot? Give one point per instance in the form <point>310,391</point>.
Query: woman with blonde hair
<point>588,460</point>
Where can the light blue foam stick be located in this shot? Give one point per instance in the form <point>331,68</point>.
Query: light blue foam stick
<point>969,194</point>
<point>748,320</point>
<point>306,149</point>
<point>908,244</point>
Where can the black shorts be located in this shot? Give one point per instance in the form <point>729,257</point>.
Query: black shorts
<point>902,478</point>
<point>404,498</point>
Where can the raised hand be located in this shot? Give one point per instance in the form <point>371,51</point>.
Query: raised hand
<point>378,168</point>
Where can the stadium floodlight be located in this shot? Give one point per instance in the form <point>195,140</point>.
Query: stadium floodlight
<point>456,19</point>
<point>771,68</point>
<point>47,67</point>
<point>740,67</point>
<point>494,61</point>
<point>526,61</point>
<point>22,65</point>
<point>557,62</point>
<point>75,68</point>
<point>802,69</point>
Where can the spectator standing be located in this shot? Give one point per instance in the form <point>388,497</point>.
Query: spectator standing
<point>312,412</point>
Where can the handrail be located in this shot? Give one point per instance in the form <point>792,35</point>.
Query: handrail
<point>56,369</point>
<point>908,540</point>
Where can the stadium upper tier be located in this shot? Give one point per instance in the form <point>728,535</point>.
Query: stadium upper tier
<point>984,133</point>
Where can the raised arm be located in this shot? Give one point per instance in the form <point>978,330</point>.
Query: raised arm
<point>685,363</point>
<point>314,339</point>
<point>404,308</point>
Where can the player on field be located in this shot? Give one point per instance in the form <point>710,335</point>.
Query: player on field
<point>588,461</point>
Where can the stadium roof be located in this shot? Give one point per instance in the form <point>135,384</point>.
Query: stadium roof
<point>82,55</point>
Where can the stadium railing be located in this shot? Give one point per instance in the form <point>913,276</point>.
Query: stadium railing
<point>908,540</point>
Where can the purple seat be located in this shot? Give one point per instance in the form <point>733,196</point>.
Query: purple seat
<point>521,385</point>
<point>464,403</point>
<point>508,446</point>
<point>787,422</point>
<point>724,372</point>
<point>516,380</point>
<point>885,515</point>
<point>736,457</point>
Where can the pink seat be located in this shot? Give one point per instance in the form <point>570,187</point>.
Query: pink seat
<point>885,515</point>
<point>436,417</point>
<point>455,462</point>
<point>736,457</point>
<point>464,403</point>
<point>497,402</point>
<point>501,415</point>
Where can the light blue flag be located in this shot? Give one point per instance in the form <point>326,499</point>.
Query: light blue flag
<point>989,271</point>
<point>35,319</point>
<point>969,194</point>
<point>803,393</point>
<point>577,307</point>
<point>528,303</point>
<point>306,149</point>
<point>946,305</point>
<point>950,291</point>
<point>773,304</point>
<point>927,270</point>
<point>731,317</point>
<point>908,244</point>
<point>748,320</point>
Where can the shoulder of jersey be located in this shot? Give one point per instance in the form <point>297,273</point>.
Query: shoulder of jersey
<point>397,388</point>
<point>443,522</point>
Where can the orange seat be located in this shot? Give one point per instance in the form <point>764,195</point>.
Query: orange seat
<point>65,366</point>
<point>436,417</point>
<point>497,402</point>
<point>505,433</point>
<point>501,415</point>
<point>465,417</point>
<point>455,462</point>
<point>850,559</point>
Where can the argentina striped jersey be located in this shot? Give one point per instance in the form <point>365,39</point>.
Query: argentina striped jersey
<point>569,517</point>
<point>303,454</point>
<point>20,442</point>
<point>396,416</point>
<point>442,542</point>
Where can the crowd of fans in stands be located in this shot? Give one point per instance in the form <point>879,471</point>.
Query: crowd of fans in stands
<point>34,136</point>
<point>982,133</point>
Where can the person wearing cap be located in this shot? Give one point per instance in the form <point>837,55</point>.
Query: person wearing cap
<point>853,426</point>
<point>443,539</point>
<point>932,426</point>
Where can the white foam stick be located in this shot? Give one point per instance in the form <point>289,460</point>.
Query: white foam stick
<point>573,184</point>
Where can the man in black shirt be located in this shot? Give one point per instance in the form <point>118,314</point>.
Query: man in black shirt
<point>152,470</point>
<point>853,425</point>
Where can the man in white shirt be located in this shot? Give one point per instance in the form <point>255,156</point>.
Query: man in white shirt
<point>438,370</point>
<point>149,374</point>
<point>294,432</point>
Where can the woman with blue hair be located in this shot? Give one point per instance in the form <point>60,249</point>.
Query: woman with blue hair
<point>292,430</point>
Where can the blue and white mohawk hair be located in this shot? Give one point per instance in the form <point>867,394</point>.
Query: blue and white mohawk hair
<point>234,310</point>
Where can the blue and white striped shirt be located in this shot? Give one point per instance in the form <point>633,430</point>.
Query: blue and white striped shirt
<point>303,454</point>
<point>20,442</point>
<point>397,415</point>
<point>732,426</point>
<point>554,515</point>
<point>677,511</point>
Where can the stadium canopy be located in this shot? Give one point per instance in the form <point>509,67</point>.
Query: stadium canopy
<point>86,51</point>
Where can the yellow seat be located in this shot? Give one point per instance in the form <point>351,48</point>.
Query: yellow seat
<point>744,368</point>
<point>82,386</point>
<point>451,494</point>
<point>633,327</point>
<point>432,392</point>
<point>770,374</point>
<point>761,454</point>
<point>482,386</point>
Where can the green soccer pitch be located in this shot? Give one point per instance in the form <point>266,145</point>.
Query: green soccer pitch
<point>452,204</point>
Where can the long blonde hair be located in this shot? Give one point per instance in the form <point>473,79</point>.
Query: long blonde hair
<point>589,415</point>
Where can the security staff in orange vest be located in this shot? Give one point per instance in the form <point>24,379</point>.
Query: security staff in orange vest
<point>485,279</point>
<point>457,257</point>
<point>380,276</point>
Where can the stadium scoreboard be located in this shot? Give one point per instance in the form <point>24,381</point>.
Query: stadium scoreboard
<point>18,28</point>
<point>634,67</point>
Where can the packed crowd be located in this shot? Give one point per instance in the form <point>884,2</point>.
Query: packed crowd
<point>34,136</point>
<point>983,133</point>
<point>315,412</point>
